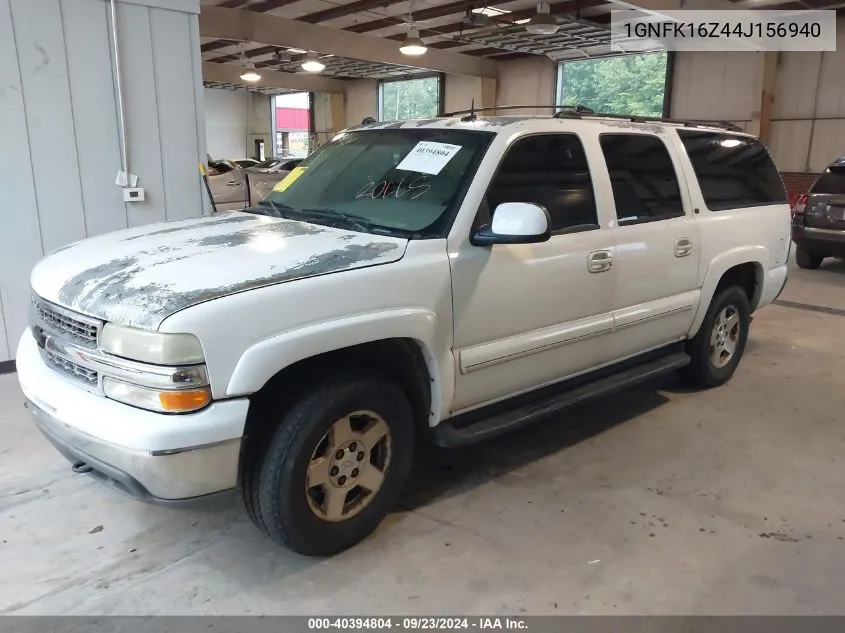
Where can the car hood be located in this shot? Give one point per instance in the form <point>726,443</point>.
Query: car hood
<point>139,277</point>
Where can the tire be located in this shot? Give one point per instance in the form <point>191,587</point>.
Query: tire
<point>704,370</point>
<point>807,259</point>
<point>298,517</point>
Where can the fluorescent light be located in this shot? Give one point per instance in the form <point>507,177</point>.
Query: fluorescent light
<point>491,11</point>
<point>522,21</point>
<point>249,74</point>
<point>413,45</point>
<point>297,51</point>
<point>312,65</point>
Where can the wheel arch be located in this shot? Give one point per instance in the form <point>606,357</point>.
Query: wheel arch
<point>403,344</point>
<point>743,267</point>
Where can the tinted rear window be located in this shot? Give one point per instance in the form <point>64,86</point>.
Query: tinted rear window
<point>831,181</point>
<point>733,171</point>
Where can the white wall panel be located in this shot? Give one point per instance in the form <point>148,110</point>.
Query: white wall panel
<point>59,133</point>
<point>526,81</point>
<point>719,86</point>
<point>20,236</point>
<point>4,337</point>
<point>95,117</point>
<point>143,137</point>
<point>832,83</point>
<point>39,34</point>
<point>361,101</point>
<point>795,85</point>
<point>788,144</point>
<point>177,114</point>
<point>461,91</point>
<point>225,122</point>
<point>828,143</point>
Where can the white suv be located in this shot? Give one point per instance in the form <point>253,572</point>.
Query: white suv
<point>445,280</point>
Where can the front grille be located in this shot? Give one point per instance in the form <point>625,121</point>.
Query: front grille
<point>62,323</point>
<point>63,365</point>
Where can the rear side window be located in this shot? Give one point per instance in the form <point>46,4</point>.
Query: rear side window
<point>831,181</point>
<point>733,171</point>
<point>550,170</point>
<point>643,178</point>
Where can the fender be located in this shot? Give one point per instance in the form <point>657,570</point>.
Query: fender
<point>756,255</point>
<point>263,360</point>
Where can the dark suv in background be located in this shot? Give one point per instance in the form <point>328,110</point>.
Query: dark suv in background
<point>818,222</point>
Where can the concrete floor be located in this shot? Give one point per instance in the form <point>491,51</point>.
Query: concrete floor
<point>660,501</point>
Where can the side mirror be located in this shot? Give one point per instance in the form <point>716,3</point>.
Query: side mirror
<point>515,223</point>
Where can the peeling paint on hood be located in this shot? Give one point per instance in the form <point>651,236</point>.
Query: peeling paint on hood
<point>141,276</point>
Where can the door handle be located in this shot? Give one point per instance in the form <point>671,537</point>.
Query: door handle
<point>233,183</point>
<point>683,247</point>
<point>599,261</point>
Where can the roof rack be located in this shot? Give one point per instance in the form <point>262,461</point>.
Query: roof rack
<point>580,112</point>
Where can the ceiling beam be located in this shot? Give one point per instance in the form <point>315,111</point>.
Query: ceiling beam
<point>231,74</point>
<point>462,6</point>
<point>213,46</point>
<point>255,52</point>
<point>275,31</point>
<point>341,11</point>
<point>269,5</point>
<point>454,8</point>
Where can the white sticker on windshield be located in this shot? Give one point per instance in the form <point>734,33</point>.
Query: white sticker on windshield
<point>428,157</point>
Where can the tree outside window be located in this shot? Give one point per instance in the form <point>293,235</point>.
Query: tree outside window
<point>631,85</point>
<point>409,99</point>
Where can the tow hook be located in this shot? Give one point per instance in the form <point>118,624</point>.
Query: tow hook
<point>81,467</point>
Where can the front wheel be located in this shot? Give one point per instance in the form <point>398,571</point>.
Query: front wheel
<point>717,348</point>
<point>336,463</point>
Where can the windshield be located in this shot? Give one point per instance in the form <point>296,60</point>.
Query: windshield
<point>405,182</point>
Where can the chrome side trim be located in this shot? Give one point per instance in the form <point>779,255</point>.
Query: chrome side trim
<point>652,317</point>
<point>549,338</point>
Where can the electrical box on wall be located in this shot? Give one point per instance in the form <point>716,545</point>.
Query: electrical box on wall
<point>133,194</point>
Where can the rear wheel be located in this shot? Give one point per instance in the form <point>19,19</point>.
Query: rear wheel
<point>808,259</point>
<point>717,348</point>
<point>336,464</point>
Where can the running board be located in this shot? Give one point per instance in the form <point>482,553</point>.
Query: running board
<point>475,427</point>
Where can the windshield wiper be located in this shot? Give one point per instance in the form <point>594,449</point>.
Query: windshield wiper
<point>355,221</point>
<point>271,208</point>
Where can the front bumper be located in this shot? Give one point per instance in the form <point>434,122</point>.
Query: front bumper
<point>151,456</point>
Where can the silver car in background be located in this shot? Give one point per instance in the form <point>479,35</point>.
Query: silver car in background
<point>234,188</point>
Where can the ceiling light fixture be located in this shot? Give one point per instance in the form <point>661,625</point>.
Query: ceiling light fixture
<point>311,64</point>
<point>413,45</point>
<point>542,23</point>
<point>249,73</point>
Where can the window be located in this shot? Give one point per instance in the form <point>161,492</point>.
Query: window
<point>409,99</point>
<point>632,84</point>
<point>733,171</point>
<point>405,182</point>
<point>832,181</point>
<point>643,178</point>
<point>550,170</point>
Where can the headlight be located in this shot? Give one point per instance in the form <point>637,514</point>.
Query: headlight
<point>160,348</point>
<point>155,400</point>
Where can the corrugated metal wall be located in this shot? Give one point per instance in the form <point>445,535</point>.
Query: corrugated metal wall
<point>60,148</point>
<point>808,112</point>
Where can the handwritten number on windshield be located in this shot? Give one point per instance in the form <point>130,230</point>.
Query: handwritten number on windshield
<point>416,187</point>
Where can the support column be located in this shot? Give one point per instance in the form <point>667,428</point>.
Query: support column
<point>761,118</point>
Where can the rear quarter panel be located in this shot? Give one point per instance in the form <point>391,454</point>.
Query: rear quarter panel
<point>730,237</point>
